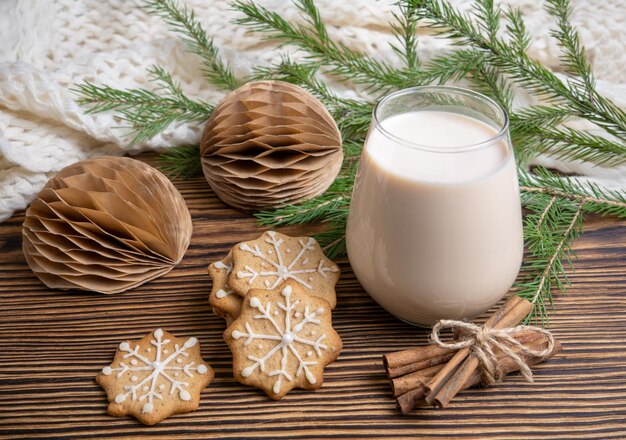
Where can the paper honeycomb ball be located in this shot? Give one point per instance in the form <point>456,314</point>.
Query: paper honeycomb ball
<point>270,143</point>
<point>105,225</point>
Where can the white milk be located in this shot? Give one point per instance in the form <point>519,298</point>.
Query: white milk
<point>435,235</point>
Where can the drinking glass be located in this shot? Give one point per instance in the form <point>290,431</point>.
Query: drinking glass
<point>435,224</point>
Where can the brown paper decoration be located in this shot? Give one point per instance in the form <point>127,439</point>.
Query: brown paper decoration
<point>106,225</point>
<point>270,143</point>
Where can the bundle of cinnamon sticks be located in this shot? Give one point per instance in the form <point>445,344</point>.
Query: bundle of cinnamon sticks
<point>432,375</point>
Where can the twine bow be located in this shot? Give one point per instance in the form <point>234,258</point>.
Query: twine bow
<point>483,340</point>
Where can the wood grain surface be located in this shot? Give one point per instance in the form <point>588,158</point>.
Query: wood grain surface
<point>53,343</point>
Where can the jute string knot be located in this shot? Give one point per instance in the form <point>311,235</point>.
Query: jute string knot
<point>482,341</point>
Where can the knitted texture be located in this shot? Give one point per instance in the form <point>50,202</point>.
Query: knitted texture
<point>48,46</point>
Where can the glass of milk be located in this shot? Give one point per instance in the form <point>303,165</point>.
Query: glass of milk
<point>435,224</point>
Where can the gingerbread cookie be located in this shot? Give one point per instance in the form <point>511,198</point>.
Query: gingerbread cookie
<point>225,301</point>
<point>155,377</point>
<point>283,339</point>
<point>273,258</point>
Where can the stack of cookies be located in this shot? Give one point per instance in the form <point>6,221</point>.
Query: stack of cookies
<point>276,294</point>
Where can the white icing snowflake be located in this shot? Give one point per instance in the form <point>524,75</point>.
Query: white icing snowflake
<point>222,293</point>
<point>280,270</point>
<point>147,389</point>
<point>287,338</point>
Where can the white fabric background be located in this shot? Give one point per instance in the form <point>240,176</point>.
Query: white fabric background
<point>46,46</point>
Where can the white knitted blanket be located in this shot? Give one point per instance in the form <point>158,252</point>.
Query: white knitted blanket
<point>46,46</point>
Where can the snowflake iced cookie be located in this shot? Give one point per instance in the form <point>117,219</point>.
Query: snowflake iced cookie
<point>155,377</point>
<point>268,261</point>
<point>225,301</point>
<point>283,339</point>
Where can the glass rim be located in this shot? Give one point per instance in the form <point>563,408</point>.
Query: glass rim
<point>503,131</point>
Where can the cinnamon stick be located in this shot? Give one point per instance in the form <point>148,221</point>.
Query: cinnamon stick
<point>416,355</point>
<point>459,377</point>
<point>508,365</point>
<point>410,400</point>
<point>417,379</point>
<point>403,384</point>
<point>417,397</point>
<point>444,376</point>
<point>418,366</point>
<point>414,359</point>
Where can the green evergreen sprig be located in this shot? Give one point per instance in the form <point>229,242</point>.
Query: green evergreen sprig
<point>183,21</point>
<point>312,38</point>
<point>491,53</point>
<point>181,162</point>
<point>549,230</point>
<point>557,205</point>
<point>593,198</point>
<point>508,54</point>
<point>573,56</point>
<point>147,112</point>
<point>404,28</point>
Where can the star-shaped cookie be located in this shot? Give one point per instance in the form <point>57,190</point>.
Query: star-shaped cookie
<point>273,258</point>
<point>155,377</point>
<point>283,339</point>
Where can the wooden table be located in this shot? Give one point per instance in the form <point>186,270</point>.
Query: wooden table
<point>53,343</point>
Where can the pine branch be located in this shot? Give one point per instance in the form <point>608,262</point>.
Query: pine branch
<point>183,21</point>
<point>487,79</point>
<point>548,232</point>
<point>453,66</point>
<point>405,31</point>
<point>181,162</point>
<point>511,58</point>
<point>309,211</point>
<point>516,28</point>
<point>557,205</point>
<point>573,55</point>
<point>488,17</point>
<point>352,149</point>
<point>591,197</point>
<point>448,22</point>
<point>147,112</point>
<point>150,112</point>
<point>527,123</point>
<point>314,40</point>
<point>567,143</point>
<point>528,120</point>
